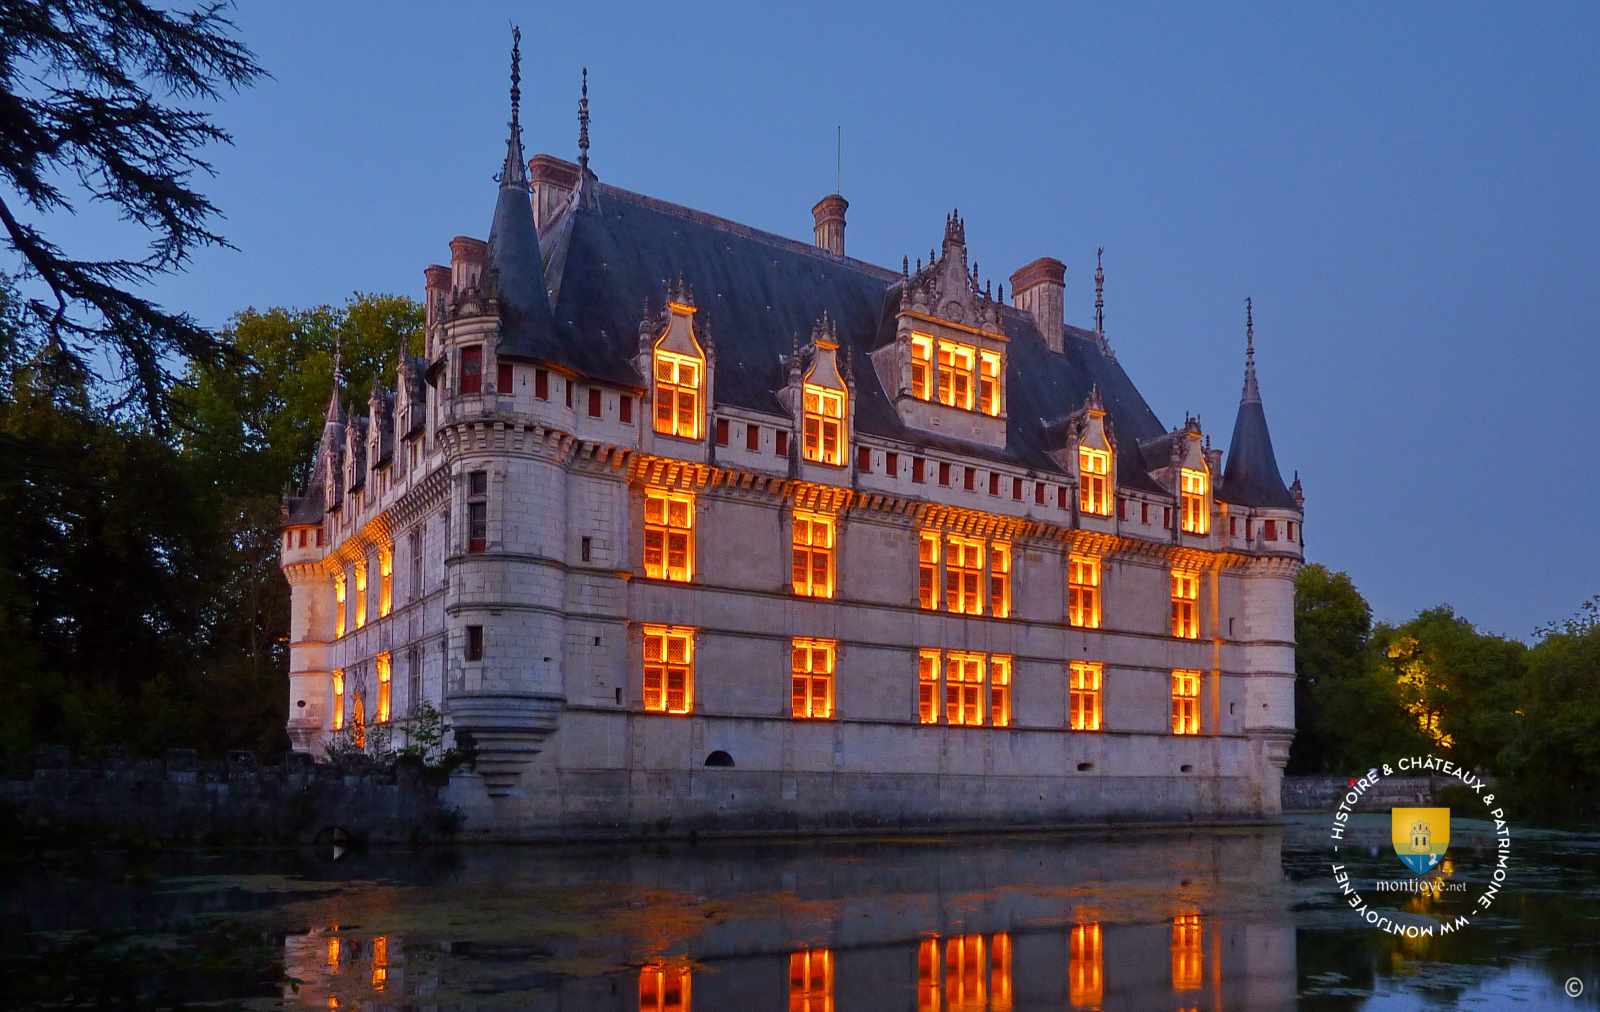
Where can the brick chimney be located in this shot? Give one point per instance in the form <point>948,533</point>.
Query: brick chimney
<point>1040,288</point>
<point>467,256</point>
<point>553,181</point>
<point>829,223</point>
<point>437,278</point>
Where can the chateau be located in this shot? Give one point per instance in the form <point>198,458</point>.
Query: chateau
<point>688,526</point>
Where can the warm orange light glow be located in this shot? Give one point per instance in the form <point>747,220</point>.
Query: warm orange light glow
<point>989,382</point>
<point>1085,967</point>
<point>1000,579</point>
<point>1083,591</point>
<point>358,720</point>
<point>999,690</point>
<point>928,570</point>
<point>811,980</point>
<point>385,673</point>
<point>338,699</point>
<point>1094,481</point>
<point>1196,518</point>
<point>963,689</point>
<point>677,394</point>
<point>1188,952</point>
<point>1083,696</point>
<point>361,594</point>
<point>922,367</point>
<point>1185,701</point>
<point>668,669</point>
<point>385,581</point>
<point>965,973</point>
<point>955,374</point>
<point>928,686</point>
<point>811,671</point>
<point>929,998</point>
<point>1000,972</point>
<point>668,535</point>
<point>1185,604</point>
<point>338,605</point>
<point>380,962</point>
<point>963,575</point>
<point>333,952</point>
<point>811,563</point>
<point>824,425</point>
<point>664,988</point>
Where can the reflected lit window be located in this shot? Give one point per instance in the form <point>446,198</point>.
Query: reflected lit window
<point>1085,967</point>
<point>1000,972</point>
<point>333,952</point>
<point>811,981</point>
<point>380,962</point>
<point>928,976</point>
<point>1188,952</point>
<point>965,970</point>
<point>664,988</point>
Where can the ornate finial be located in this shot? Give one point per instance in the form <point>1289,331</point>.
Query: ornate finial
<point>919,265</point>
<point>516,74</point>
<point>514,172</point>
<point>930,256</point>
<point>988,289</point>
<point>1252,392</point>
<point>905,266</point>
<point>1099,292</point>
<point>583,122</point>
<point>955,230</point>
<point>1001,288</point>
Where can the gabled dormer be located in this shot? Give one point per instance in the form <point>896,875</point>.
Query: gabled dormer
<point>675,351</point>
<point>945,366</point>
<point>1089,454</point>
<point>820,395</point>
<point>380,426</point>
<point>355,453</point>
<point>410,398</point>
<point>1189,474</point>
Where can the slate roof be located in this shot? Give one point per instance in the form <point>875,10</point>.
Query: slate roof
<point>1251,477</point>
<point>608,256</point>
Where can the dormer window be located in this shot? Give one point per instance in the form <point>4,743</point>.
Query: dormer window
<point>1094,481</point>
<point>678,395</point>
<point>922,367</point>
<point>472,369</point>
<point>1193,486</point>
<point>989,383</point>
<point>955,374</point>
<point>824,425</point>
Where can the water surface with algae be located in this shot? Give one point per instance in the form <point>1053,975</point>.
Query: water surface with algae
<point>1237,918</point>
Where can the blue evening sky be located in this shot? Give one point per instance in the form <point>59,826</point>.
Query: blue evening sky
<point>1407,191</point>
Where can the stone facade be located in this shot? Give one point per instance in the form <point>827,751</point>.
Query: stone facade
<point>506,480</point>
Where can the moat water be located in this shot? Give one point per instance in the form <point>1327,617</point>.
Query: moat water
<point>1203,919</point>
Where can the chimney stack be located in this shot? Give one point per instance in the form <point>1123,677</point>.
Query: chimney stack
<point>552,181</point>
<point>1040,288</point>
<point>829,223</point>
<point>437,279</point>
<point>467,256</point>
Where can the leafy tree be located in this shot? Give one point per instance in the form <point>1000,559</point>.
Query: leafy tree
<point>85,87</point>
<point>1332,625</point>
<point>1553,759</point>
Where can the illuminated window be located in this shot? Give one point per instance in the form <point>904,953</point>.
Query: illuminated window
<point>811,981</point>
<point>668,535</point>
<point>361,594</point>
<point>1083,696</point>
<point>928,686</point>
<point>1185,604</point>
<point>1083,591</point>
<point>333,951</point>
<point>358,719</point>
<point>955,374</point>
<point>472,369</point>
<point>677,394</point>
<point>929,978</point>
<point>385,682</point>
<point>922,367</point>
<point>664,988</point>
<point>338,699</point>
<point>1000,972</point>
<point>1196,518</point>
<point>963,575</point>
<point>989,383</point>
<point>812,557</point>
<point>928,570</point>
<point>1094,481</point>
<point>338,606</point>
<point>963,689</point>
<point>380,962</point>
<point>965,972</point>
<point>1000,691</point>
<point>1185,701</point>
<point>1000,579</point>
<point>811,670</point>
<point>1085,967</point>
<point>668,669</point>
<point>1188,952</point>
<point>385,581</point>
<point>824,425</point>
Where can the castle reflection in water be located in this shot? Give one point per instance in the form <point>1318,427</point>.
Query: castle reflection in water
<point>1148,921</point>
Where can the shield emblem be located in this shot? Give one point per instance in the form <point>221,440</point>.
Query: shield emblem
<point>1421,836</point>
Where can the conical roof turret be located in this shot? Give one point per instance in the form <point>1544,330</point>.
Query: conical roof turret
<point>1251,477</point>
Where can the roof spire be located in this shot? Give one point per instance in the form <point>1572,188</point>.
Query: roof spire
<point>514,173</point>
<point>1252,392</point>
<point>583,123</point>
<point>1099,292</point>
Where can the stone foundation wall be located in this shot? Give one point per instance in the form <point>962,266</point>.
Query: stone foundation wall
<point>183,799</point>
<point>1322,794</point>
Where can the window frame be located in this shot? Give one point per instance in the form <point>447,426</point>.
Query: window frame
<point>1000,561</point>
<point>1085,695</point>
<point>1185,603</point>
<point>1194,485</point>
<point>963,693</point>
<point>1094,481</point>
<point>384,663</point>
<point>803,576</point>
<point>1186,700</point>
<point>1083,595</point>
<point>681,397</point>
<point>1000,671</point>
<point>667,667</point>
<point>824,413</point>
<point>806,681</point>
<point>471,379</point>
<point>955,374</point>
<point>965,580</point>
<point>663,531</point>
